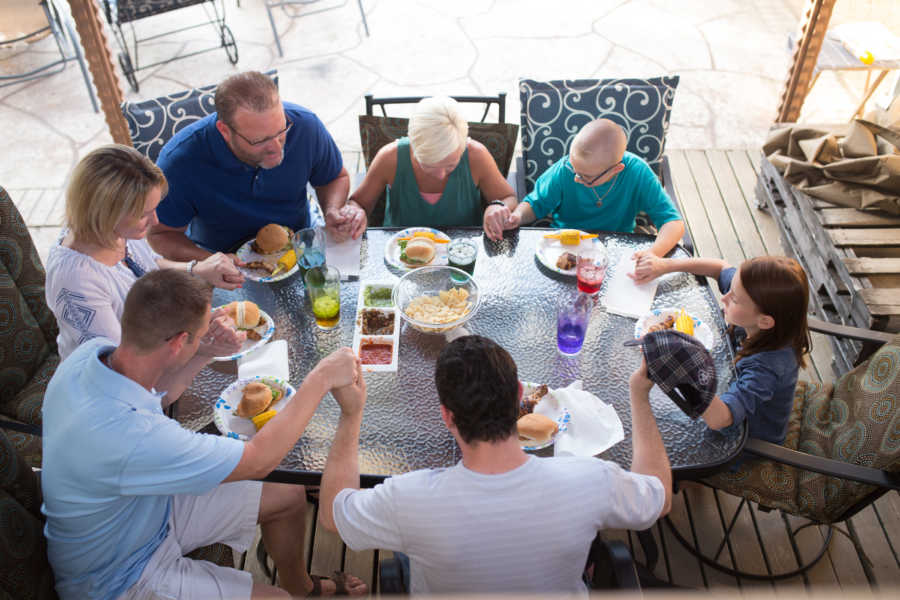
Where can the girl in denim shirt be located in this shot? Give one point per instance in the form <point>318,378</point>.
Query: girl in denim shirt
<point>766,299</point>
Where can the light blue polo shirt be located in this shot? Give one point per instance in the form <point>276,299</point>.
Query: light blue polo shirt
<point>112,461</point>
<point>224,201</point>
<point>572,205</point>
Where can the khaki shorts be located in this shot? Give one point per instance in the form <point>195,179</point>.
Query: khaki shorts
<point>228,515</point>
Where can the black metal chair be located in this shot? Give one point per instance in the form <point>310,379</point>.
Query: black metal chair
<point>488,101</point>
<point>60,26</point>
<point>122,12</point>
<point>609,566</point>
<point>840,455</point>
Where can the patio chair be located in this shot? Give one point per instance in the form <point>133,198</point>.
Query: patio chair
<point>63,31</point>
<point>841,454</point>
<point>609,563</point>
<point>553,112</point>
<point>28,333</point>
<point>376,132</point>
<point>271,4</point>
<point>126,12</point>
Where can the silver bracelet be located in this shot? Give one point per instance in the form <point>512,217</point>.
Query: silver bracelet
<point>190,266</point>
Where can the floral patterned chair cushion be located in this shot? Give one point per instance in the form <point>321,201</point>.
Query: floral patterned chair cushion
<point>152,123</point>
<point>28,330</point>
<point>377,132</point>
<point>857,420</point>
<point>554,111</point>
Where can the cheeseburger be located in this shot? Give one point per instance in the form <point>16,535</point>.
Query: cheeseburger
<point>419,251</point>
<point>535,429</point>
<point>271,239</point>
<point>246,316</point>
<point>256,398</point>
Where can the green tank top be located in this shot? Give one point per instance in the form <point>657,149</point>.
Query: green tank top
<point>459,205</point>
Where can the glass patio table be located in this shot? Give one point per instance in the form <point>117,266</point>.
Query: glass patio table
<point>402,428</point>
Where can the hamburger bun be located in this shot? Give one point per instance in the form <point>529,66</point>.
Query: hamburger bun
<point>419,251</point>
<point>272,238</point>
<point>535,429</point>
<point>244,313</point>
<point>257,397</point>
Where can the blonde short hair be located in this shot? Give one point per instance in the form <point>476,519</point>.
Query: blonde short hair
<point>110,183</point>
<point>437,130</point>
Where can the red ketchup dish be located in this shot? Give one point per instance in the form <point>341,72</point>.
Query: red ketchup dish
<point>376,353</point>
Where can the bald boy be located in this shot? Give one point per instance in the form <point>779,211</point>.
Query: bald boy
<point>600,186</point>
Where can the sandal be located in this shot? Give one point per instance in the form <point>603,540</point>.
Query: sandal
<point>338,577</point>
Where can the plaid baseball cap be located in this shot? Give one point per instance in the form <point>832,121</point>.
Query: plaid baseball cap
<point>681,367</point>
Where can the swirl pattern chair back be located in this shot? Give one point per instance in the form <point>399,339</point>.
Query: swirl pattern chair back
<point>152,123</point>
<point>553,112</point>
<point>856,420</point>
<point>28,330</point>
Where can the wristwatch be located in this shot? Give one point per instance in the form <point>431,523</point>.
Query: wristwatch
<point>495,203</point>
<point>190,266</point>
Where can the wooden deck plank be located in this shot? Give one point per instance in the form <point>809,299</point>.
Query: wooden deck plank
<point>852,217</point>
<point>708,525</point>
<point>719,219</point>
<point>872,266</point>
<point>747,232</point>
<point>883,236</point>
<point>705,243</point>
<point>884,565</point>
<point>686,571</point>
<point>745,165</point>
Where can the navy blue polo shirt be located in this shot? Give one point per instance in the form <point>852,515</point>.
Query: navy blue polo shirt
<point>224,201</point>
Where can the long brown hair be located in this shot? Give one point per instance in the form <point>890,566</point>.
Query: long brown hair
<point>778,287</point>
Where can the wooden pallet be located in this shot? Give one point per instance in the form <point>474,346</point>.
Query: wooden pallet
<point>852,258</point>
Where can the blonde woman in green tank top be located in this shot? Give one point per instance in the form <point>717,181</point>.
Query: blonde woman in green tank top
<point>438,177</point>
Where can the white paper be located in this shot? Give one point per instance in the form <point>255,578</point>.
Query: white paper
<point>626,298</point>
<point>270,359</point>
<point>343,256</point>
<point>593,427</point>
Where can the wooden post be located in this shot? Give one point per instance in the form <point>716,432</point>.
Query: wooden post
<point>812,32</point>
<point>93,40</point>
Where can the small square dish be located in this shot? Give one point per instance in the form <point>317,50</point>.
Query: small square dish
<point>377,353</point>
<point>376,294</point>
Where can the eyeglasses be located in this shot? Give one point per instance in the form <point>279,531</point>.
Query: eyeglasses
<point>267,139</point>
<point>584,178</point>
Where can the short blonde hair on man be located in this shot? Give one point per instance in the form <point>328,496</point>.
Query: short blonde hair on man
<point>437,130</point>
<point>110,183</point>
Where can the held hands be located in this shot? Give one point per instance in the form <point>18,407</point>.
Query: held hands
<point>497,219</point>
<point>339,368</point>
<point>222,338</point>
<point>348,221</point>
<point>647,267</point>
<point>352,398</point>
<point>220,270</point>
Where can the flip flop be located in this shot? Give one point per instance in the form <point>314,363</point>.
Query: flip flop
<point>338,577</point>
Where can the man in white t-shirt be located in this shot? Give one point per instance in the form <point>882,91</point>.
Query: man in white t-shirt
<point>500,520</point>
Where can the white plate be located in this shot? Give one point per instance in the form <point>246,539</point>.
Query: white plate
<point>238,427</point>
<point>392,249</point>
<point>549,250</point>
<point>702,331</point>
<point>549,407</point>
<point>247,255</point>
<point>266,329</point>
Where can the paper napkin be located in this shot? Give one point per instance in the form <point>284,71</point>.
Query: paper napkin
<point>269,359</point>
<point>344,256</point>
<point>624,297</point>
<point>594,425</point>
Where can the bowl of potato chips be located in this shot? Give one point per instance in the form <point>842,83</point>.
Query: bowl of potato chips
<point>436,299</point>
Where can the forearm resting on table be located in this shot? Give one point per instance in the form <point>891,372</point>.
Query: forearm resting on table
<point>718,415</point>
<point>270,445</point>
<point>648,452</point>
<point>342,468</point>
<point>708,267</point>
<point>667,238</point>
<point>334,194</point>
<point>176,246</point>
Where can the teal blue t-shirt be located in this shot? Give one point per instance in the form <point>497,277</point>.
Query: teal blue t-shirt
<point>572,205</point>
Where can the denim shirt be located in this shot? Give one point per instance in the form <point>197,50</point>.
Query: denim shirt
<point>763,388</point>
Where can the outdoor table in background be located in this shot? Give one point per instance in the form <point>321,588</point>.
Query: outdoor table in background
<point>402,428</point>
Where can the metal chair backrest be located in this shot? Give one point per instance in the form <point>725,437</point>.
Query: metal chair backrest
<point>499,100</point>
<point>553,112</point>
<point>132,10</point>
<point>152,123</point>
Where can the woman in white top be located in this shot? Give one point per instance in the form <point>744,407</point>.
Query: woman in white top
<point>110,205</point>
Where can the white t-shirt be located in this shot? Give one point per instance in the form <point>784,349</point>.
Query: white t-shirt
<point>527,530</point>
<point>87,296</point>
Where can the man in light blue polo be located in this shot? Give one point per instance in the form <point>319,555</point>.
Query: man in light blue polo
<point>245,166</point>
<point>600,186</point>
<point>128,492</point>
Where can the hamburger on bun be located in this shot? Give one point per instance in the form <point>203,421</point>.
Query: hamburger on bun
<point>257,397</point>
<point>272,238</point>
<point>244,313</point>
<point>535,429</point>
<point>419,251</point>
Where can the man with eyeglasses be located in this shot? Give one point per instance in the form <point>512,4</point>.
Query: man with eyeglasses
<point>245,166</point>
<point>600,186</point>
<point>128,492</point>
